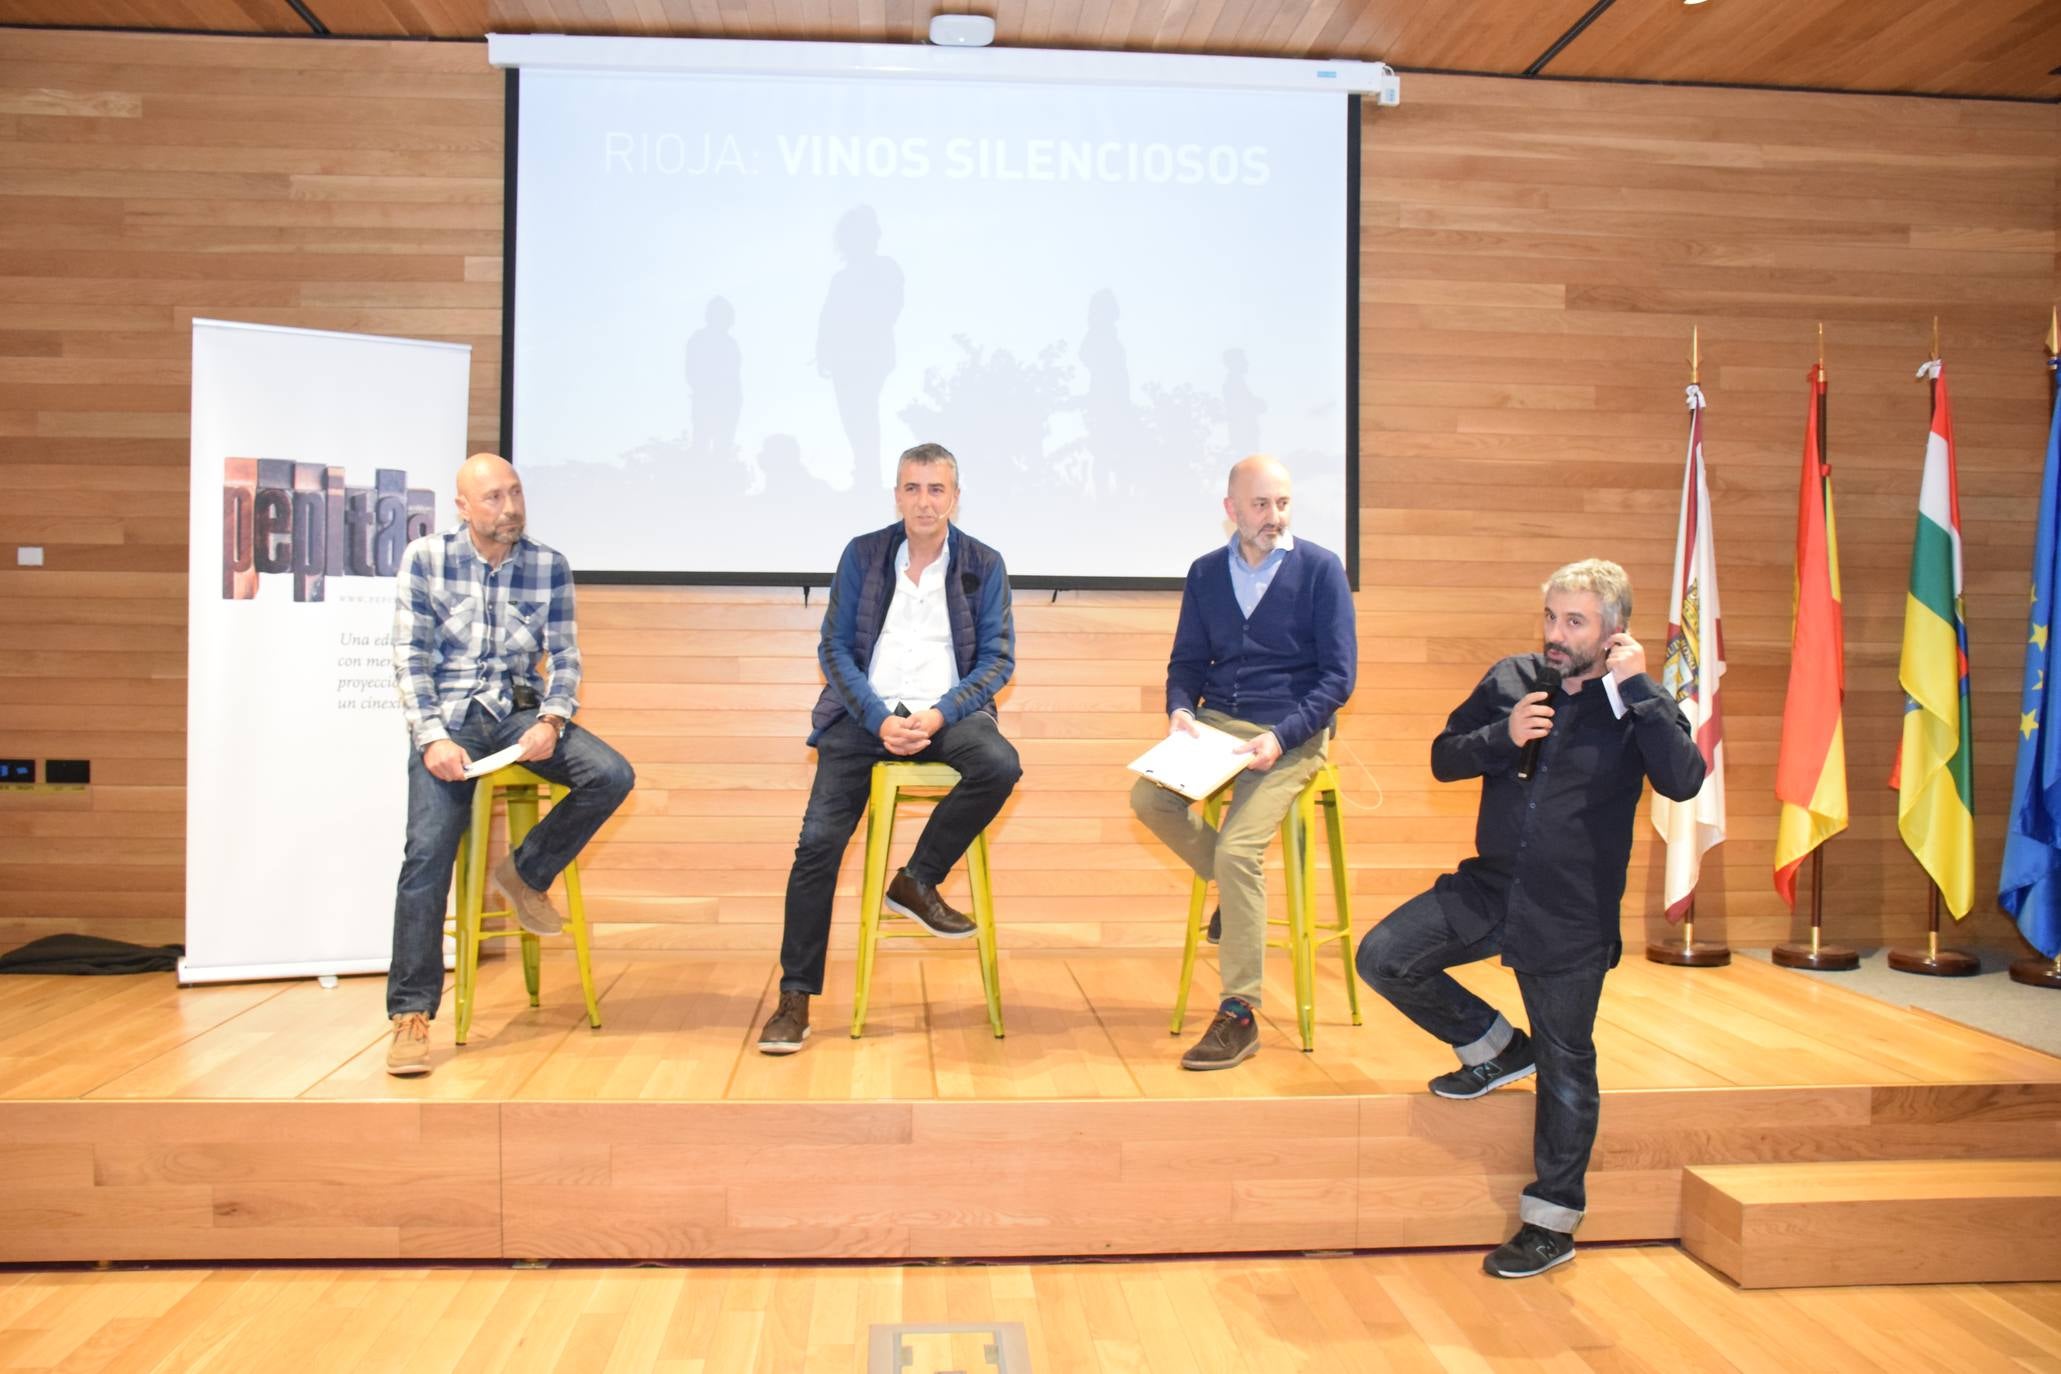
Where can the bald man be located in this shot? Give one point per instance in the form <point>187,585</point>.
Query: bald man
<point>475,610</point>
<point>1266,650</point>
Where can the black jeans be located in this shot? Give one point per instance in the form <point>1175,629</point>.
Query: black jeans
<point>1405,959</point>
<point>845,755</point>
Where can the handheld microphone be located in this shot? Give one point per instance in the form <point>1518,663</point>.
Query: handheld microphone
<point>1528,756</point>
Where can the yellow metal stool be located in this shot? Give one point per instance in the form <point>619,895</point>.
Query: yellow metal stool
<point>521,789</point>
<point>894,783</point>
<point>1299,867</point>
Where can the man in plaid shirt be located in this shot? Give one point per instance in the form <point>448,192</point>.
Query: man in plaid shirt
<point>475,608</point>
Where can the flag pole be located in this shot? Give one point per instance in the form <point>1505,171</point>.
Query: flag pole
<point>1933,961</point>
<point>1689,954</point>
<point>1817,954</point>
<point>2044,973</point>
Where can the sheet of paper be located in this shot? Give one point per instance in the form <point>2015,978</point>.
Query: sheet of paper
<point>1193,765</point>
<point>479,768</point>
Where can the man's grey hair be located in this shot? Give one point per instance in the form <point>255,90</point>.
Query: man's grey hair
<point>928,453</point>
<point>1612,589</point>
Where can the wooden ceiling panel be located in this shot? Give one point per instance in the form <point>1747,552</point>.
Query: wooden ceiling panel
<point>1971,47</point>
<point>205,16</point>
<point>402,18</point>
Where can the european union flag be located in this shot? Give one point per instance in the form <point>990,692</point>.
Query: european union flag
<point>2030,886</point>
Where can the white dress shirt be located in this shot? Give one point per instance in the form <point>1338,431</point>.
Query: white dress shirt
<point>912,662</point>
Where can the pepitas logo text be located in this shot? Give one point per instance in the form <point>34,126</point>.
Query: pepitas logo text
<point>280,516</point>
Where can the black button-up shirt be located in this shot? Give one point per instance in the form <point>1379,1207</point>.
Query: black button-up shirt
<point>1551,852</point>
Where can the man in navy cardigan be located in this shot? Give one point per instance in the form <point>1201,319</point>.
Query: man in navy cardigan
<point>1266,650</point>
<point>917,639</point>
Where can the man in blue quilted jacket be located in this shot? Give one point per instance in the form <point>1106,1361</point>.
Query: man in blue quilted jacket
<point>917,640</point>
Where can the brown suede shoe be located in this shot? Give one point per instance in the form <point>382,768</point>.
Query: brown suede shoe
<point>921,904</point>
<point>1230,1041</point>
<point>409,1053</point>
<point>788,1026</point>
<point>533,909</point>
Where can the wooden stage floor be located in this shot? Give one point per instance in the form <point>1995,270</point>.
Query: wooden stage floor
<point>139,1120</point>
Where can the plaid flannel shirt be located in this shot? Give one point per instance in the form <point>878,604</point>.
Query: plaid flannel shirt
<point>465,632</point>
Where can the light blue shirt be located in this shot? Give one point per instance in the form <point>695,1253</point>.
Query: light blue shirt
<point>1248,583</point>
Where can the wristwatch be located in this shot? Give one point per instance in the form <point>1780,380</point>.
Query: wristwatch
<point>556,722</point>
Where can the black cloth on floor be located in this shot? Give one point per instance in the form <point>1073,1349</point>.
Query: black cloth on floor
<point>89,954</point>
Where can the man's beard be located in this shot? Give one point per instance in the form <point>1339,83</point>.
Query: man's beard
<point>1575,665</point>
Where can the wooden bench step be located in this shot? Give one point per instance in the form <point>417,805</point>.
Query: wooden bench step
<point>1875,1221</point>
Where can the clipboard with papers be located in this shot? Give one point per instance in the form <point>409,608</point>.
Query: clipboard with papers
<point>1193,765</point>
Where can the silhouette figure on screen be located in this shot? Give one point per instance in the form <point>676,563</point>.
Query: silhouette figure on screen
<point>1107,414</point>
<point>715,385</point>
<point>1241,408</point>
<point>855,337</point>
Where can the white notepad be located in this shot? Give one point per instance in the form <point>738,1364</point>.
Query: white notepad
<point>479,768</point>
<point>1193,765</point>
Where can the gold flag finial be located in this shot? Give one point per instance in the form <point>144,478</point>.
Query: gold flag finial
<point>2054,333</point>
<point>1695,355</point>
<point>1821,350</point>
<point>1935,338</point>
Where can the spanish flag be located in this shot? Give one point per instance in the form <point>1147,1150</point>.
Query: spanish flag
<point>1934,773</point>
<point>1810,772</point>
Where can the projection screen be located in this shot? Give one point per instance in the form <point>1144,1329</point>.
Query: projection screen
<point>738,294</point>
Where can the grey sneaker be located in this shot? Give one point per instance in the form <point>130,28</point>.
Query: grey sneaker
<point>1513,1062</point>
<point>1215,933</point>
<point>533,909</point>
<point>788,1026</point>
<point>1533,1250</point>
<point>1230,1040</point>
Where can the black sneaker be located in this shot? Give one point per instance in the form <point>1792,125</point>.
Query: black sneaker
<point>788,1026</point>
<point>1216,927</point>
<point>1533,1250</point>
<point>1514,1062</point>
<point>921,904</point>
<point>1230,1040</point>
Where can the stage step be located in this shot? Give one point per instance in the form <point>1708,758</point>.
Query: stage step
<point>1875,1221</point>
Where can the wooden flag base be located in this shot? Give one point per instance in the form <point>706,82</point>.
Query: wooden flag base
<point>1824,958</point>
<point>1690,955</point>
<point>2038,973</point>
<point>1935,963</point>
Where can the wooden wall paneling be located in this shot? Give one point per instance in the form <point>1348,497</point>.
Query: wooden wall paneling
<point>145,180</point>
<point>1533,257</point>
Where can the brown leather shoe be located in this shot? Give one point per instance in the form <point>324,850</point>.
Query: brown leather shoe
<point>533,909</point>
<point>408,1055</point>
<point>788,1026</point>
<point>1230,1041</point>
<point>921,904</point>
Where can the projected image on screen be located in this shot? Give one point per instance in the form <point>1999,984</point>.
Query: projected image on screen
<point>737,300</point>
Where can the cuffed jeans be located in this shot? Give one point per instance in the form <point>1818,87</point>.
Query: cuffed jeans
<point>1234,855</point>
<point>1405,959</point>
<point>438,814</point>
<point>845,754</point>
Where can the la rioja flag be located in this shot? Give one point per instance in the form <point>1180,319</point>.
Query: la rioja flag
<point>1695,664</point>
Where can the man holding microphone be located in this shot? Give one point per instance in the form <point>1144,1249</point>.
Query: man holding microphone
<point>1561,769</point>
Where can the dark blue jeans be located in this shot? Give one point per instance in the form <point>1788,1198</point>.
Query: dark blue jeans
<point>439,812</point>
<point>1405,959</point>
<point>845,755</point>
